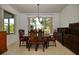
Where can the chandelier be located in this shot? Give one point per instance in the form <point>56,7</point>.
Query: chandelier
<point>38,12</point>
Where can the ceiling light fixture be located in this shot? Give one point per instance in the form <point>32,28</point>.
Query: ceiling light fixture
<point>38,12</point>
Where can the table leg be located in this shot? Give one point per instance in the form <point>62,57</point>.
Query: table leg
<point>36,47</point>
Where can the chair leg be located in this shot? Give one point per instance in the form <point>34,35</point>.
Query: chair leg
<point>43,47</point>
<point>47,44</point>
<point>29,47</point>
<point>19,43</point>
<point>26,44</point>
<point>55,43</point>
<point>35,48</point>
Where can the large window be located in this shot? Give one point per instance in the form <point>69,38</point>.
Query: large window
<point>8,22</point>
<point>44,23</point>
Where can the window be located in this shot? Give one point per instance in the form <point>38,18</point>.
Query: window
<point>8,22</point>
<point>43,23</point>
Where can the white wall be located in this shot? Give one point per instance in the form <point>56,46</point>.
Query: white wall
<point>12,37</point>
<point>21,22</point>
<point>24,20</point>
<point>1,18</point>
<point>70,14</point>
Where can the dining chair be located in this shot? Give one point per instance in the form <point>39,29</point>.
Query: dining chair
<point>53,39</point>
<point>32,39</point>
<point>22,38</point>
<point>40,39</point>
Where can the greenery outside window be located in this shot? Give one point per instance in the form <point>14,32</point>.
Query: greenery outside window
<point>8,22</point>
<point>44,23</point>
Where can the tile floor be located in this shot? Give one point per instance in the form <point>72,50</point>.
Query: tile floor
<point>14,49</point>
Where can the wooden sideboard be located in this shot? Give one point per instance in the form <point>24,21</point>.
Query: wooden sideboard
<point>3,44</point>
<point>60,33</point>
<point>70,37</point>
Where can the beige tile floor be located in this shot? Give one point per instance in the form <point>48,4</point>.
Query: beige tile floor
<point>14,49</point>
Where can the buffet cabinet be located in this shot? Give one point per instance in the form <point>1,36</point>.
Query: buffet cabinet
<point>3,44</point>
<point>70,37</point>
<point>60,34</point>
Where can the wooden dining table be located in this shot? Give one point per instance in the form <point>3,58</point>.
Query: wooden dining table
<point>46,43</point>
<point>37,46</point>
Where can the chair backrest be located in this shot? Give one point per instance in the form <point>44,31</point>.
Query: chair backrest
<point>32,35</point>
<point>40,34</point>
<point>21,33</point>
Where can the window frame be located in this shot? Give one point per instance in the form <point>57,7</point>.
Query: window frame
<point>9,22</point>
<point>51,25</point>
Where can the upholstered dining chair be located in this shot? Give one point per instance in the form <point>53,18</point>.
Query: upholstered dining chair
<point>53,39</point>
<point>40,39</point>
<point>22,38</point>
<point>32,39</point>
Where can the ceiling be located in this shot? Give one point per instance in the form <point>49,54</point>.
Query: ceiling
<point>43,8</point>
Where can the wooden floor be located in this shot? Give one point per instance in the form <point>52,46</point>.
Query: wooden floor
<point>14,49</point>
